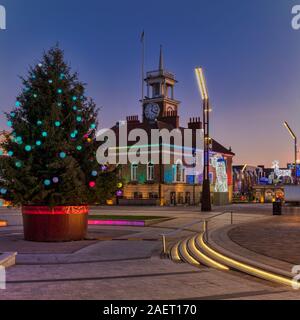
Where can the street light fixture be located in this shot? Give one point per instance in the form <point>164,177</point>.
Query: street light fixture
<point>295,145</point>
<point>206,200</point>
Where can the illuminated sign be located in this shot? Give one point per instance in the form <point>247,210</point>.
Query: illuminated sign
<point>291,166</point>
<point>281,173</point>
<point>219,164</point>
<point>264,181</point>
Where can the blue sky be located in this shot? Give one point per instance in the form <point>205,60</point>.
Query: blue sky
<point>248,49</point>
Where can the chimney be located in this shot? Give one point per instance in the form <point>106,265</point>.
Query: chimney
<point>133,120</point>
<point>195,123</point>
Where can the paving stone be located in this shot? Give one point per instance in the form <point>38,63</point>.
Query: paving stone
<point>121,269</point>
<point>277,237</point>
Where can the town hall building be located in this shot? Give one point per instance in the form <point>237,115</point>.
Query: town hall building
<point>175,183</point>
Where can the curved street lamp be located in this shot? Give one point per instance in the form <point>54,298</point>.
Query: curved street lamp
<point>206,199</point>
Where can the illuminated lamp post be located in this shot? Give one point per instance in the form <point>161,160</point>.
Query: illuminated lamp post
<point>194,177</point>
<point>206,199</point>
<point>295,146</point>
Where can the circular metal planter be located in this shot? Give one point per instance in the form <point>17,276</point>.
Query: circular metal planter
<point>57,224</point>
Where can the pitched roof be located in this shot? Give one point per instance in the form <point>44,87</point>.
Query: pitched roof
<point>217,147</point>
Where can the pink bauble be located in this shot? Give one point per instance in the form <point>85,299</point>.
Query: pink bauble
<point>92,184</point>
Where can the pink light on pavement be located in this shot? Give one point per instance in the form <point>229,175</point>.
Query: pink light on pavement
<point>133,223</point>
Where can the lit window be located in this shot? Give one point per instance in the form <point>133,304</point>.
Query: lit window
<point>178,173</point>
<point>150,172</point>
<point>134,168</point>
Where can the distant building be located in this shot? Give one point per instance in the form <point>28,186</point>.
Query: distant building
<point>245,177</point>
<point>260,184</point>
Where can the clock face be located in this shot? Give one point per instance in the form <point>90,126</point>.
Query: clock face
<point>152,111</point>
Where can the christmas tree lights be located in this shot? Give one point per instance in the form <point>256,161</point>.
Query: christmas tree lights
<point>43,152</point>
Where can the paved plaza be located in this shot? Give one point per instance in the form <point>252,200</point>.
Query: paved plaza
<point>278,238</point>
<point>126,263</point>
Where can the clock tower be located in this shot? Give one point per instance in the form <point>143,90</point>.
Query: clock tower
<point>159,104</point>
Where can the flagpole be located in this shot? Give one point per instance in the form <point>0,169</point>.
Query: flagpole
<point>143,64</point>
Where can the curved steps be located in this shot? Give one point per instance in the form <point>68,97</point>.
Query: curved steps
<point>174,253</point>
<point>198,254</point>
<point>185,253</point>
<point>195,251</point>
<point>188,251</point>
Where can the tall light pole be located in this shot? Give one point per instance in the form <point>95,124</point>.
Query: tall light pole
<point>194,176</point>
<point>295,145</point>
<point>206,201</point>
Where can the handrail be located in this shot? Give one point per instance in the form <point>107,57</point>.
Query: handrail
<point>219,214</point>
<point>205,227</point>
<point>182,228</point>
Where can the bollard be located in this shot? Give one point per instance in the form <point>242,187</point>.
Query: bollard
<point>277,207</point>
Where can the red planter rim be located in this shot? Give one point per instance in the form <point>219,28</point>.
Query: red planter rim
<point>59,210</point>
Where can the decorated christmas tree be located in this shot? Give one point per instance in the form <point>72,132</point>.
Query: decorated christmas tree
<point>49,156</point>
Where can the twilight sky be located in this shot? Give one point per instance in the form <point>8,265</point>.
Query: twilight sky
<point>249,51</point>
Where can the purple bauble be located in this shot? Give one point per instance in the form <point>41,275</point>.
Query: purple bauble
<point>55,180</point>
<point>119,193</point>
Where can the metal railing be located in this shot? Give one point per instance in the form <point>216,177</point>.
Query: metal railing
<point>182,228</point>
<point>205,228</point>
<point>206,222</point>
